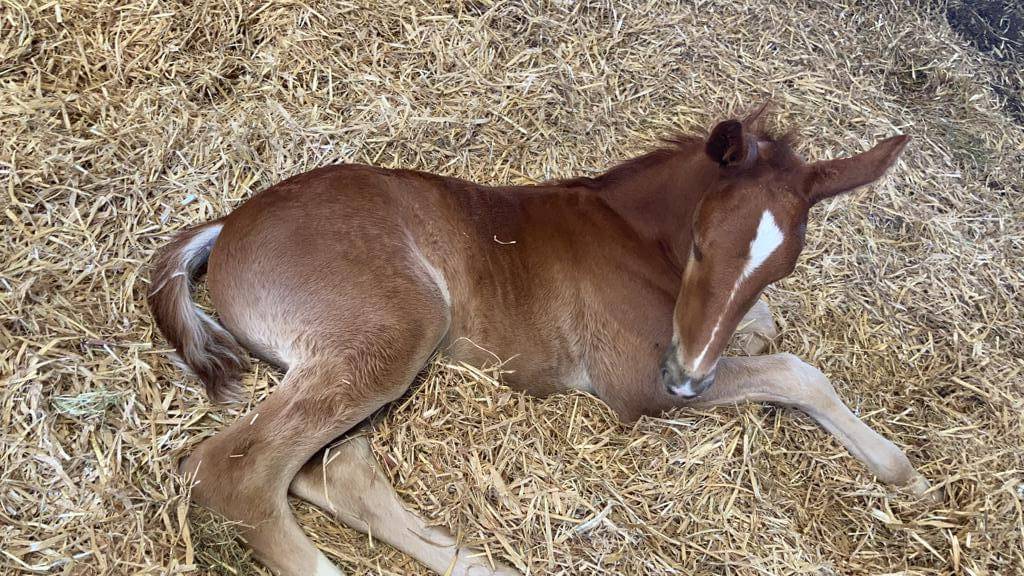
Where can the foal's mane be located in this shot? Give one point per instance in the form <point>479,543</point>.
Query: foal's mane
<point>779,154</point>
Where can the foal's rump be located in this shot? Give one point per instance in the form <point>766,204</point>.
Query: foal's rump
<point>296,268</point>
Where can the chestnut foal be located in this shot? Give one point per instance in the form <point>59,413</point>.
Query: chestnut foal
<point>627,286</point>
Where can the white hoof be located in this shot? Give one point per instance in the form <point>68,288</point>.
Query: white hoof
<point>919,487</point>
<point>325,567</point>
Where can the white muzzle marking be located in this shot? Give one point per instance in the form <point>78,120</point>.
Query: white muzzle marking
<point>766,241</point>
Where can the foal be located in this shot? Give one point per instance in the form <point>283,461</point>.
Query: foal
<point>627,286</point>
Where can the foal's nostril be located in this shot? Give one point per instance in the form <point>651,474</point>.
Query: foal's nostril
<point>704,384</point>
<point>669,368</point>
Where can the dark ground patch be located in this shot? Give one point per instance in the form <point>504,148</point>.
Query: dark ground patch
<point>995,27</point>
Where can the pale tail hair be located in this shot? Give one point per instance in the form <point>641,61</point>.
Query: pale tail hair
<point>202,345</point>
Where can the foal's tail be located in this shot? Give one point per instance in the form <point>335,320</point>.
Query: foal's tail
<point>202,345</point>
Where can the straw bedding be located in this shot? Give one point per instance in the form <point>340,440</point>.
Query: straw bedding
<point>121,124</point>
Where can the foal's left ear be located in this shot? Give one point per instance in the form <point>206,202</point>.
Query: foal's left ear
<point>832,177</point>
<point>755,120</point>
<point>730,145</point>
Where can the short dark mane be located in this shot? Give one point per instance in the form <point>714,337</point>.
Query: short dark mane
<point>671,145</point>
<point>781,156</point>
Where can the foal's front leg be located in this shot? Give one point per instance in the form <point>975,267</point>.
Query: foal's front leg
<point>757,329</point>
<point>787,380</point>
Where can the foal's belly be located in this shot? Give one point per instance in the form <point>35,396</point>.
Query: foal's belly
<point>527,366</point>
<point>553,351</point>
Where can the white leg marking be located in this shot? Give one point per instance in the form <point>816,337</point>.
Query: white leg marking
<point>325,567</point>
<point>766,241</point>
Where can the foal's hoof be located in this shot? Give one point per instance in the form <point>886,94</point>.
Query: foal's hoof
<point>485,569</point>
<point>753,344</point>
<point>757,330</point>
<point>498,570</point>
<point>919,487</point>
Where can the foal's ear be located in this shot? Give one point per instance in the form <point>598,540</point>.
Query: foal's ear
<point>730,145</point>
<point>832,177</point>
<point>755,120</point>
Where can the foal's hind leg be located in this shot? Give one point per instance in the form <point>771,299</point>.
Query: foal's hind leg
<point>757,329</point>
<point>347,481</point>
<point>244,471</point>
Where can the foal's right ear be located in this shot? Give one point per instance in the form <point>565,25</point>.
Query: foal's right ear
<point>833,177</point>
<point>730,145</point>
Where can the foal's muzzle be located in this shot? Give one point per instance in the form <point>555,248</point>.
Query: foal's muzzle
<point>679,382</point>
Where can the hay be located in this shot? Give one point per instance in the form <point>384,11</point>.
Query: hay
<point>120,125</point>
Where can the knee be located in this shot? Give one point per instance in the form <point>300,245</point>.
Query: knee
<point>796,367</point>
<point>809,383</point>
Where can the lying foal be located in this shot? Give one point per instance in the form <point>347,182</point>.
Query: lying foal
<point>627,286</point>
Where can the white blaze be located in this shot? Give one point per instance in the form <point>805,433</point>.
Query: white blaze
<point>766,240</point>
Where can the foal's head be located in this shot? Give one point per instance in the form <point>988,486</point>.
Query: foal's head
<point>746,233</point>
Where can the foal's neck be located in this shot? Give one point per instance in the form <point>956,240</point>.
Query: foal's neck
<point>657,195</point>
